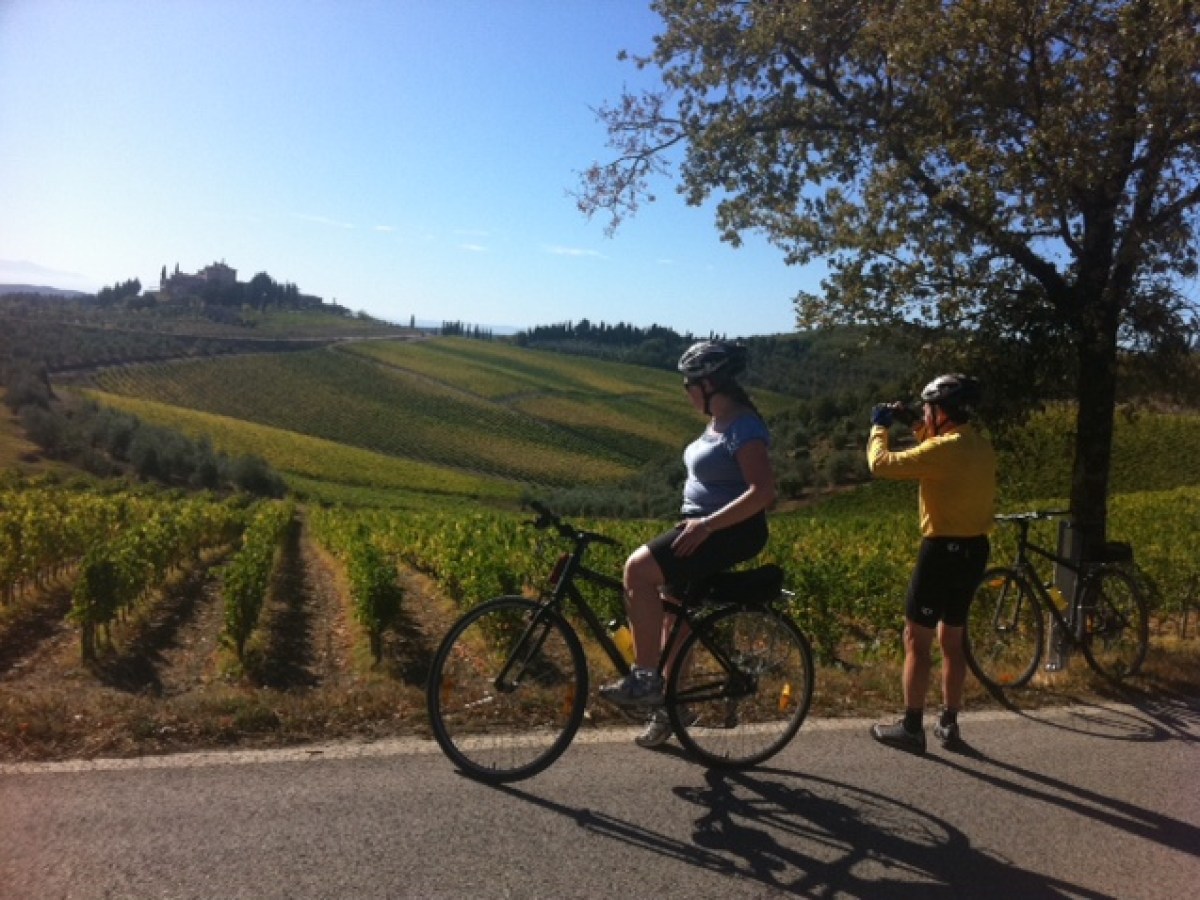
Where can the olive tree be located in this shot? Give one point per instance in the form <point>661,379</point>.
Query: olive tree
<point>1020,173</point>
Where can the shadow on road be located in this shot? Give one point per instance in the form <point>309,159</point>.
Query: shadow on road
<point>816,837</point>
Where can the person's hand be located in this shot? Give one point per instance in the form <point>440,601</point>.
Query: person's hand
<point>695,532</point>
<point>882,415</point>
<point>905,414</point>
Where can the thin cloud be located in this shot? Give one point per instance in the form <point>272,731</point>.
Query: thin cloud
<point>386,229</point>
<point>572,251</point>
<point>473,248</point>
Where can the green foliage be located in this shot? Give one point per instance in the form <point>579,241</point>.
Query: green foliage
<point>1151,452</point>
<point>374,591</point>
<point>104,441</point>
<point>248,576</point>
<point>369,560</point>
<point>147,542</point>
<point>1021,173</point>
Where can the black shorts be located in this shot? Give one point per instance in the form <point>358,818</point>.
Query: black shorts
<point>721,550</point>
<point>948,572</point>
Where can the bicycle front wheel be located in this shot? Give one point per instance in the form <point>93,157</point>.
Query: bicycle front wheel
<point>1116,624</point>
<point>741,687</point>
<point>1005,631</point>
<point>507,690</point>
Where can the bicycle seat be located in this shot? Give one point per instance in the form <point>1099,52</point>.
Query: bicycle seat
<point>1112,552</point>
<point>749,586</point>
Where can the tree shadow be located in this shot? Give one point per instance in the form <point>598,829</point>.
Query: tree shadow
<point>1134,820</point>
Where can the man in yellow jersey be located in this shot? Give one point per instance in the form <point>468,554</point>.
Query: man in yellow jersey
<point>956,468</point>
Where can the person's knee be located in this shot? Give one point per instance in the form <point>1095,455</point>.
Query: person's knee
<point>641,571</point>
<point>918,640</point>
<point>950,640</point>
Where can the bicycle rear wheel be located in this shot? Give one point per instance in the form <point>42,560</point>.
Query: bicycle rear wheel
<point>1005,631</point>
<point>507,690</point>
<point>741,687</point>
<point>1116,624</point>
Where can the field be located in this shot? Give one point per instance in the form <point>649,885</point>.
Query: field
<point>406,460</point>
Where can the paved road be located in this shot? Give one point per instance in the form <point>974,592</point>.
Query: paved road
<point>1088,801</point>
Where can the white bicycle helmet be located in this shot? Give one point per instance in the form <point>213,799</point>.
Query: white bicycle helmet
<point>718,360</point>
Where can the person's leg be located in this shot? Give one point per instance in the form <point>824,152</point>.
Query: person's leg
<point>643,577</point>
<point>918,644</point>
<point>954,666</point>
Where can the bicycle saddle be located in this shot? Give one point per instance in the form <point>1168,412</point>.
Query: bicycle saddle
<point>760,585</point>
<point>1112,552</point>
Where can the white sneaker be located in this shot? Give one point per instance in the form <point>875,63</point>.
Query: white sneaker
<point>641,687</point>
<point>658,728</point>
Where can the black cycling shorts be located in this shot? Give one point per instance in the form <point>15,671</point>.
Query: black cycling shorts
<point>948,572</point>
<point>721,550</point>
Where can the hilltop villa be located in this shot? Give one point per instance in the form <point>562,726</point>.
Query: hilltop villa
<point>179,283</point>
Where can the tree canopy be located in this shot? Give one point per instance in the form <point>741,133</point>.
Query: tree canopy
<point>1020,173</point>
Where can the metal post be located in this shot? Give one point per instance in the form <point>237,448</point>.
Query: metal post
<point>1070,548</point>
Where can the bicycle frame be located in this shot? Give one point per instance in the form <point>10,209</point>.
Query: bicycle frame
<point>726,641</point>
<point>565,593</point>
<point>1072,622</point>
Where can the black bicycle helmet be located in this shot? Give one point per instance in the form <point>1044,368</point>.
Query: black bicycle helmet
<point>718,360</point>
<point>954,391</point>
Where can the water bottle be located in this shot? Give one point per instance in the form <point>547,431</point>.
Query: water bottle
<point>623,638</point>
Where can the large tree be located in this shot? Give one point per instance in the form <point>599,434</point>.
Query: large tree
<point>1021,173</point>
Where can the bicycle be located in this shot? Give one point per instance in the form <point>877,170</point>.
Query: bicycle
<point>1106,616</point>
<point>508,685</point>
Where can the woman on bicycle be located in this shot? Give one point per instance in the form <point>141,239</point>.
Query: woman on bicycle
<point>956,470</point>
<point>730,484</point>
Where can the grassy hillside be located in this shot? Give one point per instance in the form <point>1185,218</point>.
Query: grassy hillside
<point>447,416</point>
<point>457,417</point>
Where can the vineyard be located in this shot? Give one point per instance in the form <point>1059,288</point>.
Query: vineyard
<point>383,398</point>
<point>106,593</point>
<point>138,620</point>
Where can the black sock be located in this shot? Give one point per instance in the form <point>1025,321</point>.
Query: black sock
<point>949,716</point>
<point>912,720</point>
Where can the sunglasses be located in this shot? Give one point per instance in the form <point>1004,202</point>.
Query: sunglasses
<point>691,382</point>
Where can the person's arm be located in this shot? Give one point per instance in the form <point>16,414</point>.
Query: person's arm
<point>919,462</point>
<point>755,463</point>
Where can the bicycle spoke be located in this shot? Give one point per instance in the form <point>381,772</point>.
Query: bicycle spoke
<point>1004,631</point>
<point>742,687</point>
<point>1115,625</point>
<point>505,699</point>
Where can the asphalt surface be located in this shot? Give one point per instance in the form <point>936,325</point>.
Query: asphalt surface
<point>1086,801</point>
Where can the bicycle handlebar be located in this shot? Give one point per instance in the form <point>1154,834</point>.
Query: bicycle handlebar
<point>549,519</point>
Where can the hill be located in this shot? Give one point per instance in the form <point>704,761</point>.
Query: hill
<point>457,416</point>
<point>37,290</point>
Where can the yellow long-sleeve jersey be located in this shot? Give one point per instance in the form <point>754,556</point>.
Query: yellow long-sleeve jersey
<point>957,474</point>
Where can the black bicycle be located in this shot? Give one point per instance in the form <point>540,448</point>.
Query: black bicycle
<point>1106,618</point>
<point>509,684</point>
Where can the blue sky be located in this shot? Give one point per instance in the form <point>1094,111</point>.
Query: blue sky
<point>402,157</point>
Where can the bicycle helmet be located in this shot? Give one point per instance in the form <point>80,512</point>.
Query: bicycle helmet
<point>953,392</point>
<point>718,360</point>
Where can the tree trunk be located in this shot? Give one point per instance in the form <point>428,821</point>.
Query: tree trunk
<point>1097,392</point>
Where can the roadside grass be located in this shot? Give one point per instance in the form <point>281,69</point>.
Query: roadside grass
<point>77,718</point>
